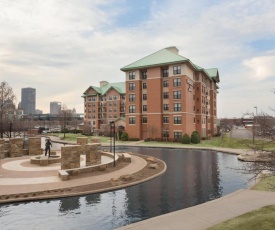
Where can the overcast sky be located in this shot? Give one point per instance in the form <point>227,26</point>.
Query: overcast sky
<point>61,47</point>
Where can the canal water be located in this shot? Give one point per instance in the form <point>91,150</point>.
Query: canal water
<point>192,177</point>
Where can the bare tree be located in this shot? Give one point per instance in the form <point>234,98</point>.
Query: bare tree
<point>7,98</point>
<point>263,145</point>
<point>65,116</point>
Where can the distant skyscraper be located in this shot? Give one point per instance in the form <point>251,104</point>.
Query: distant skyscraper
<point>38,111</point>
<point>55,107</point>
<point>28,100</point>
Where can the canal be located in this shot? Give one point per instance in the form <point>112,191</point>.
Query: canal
<point>192,177</point>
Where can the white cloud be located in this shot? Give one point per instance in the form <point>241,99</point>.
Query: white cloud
<point>261,67</point>
<point>62,47</point>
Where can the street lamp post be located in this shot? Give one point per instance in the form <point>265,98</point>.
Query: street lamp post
<point>113,131</point>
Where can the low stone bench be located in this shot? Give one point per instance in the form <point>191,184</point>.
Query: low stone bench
<point>126,157</point>
<point>63,175</point>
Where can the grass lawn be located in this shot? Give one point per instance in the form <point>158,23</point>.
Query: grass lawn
<point>225,142</point>
<point>266,183</point>
<point>73,137</point>
<point>261,219</point>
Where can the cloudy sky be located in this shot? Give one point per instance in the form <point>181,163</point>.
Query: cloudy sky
<point>60,47</point>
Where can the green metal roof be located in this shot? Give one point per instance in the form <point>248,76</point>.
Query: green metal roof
<point>164,56</point>
<point>213,73</point>
<point>168,56</point>
<point>118,86</point>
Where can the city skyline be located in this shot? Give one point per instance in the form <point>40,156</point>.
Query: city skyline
<point>62,47</point>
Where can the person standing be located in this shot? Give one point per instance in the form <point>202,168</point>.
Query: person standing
<point>48,146</point>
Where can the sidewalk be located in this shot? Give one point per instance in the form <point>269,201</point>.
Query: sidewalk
<point>208,214</point>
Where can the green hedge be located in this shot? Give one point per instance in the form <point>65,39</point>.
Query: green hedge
<point>124,136</point>
<point>195,137</point>
<point>186,139</point>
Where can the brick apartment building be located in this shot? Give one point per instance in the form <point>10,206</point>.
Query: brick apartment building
<point>104,104</point>
<point>168,95</point>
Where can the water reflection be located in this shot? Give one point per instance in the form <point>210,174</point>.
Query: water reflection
<point>192,177</point>
<point>69,204</point>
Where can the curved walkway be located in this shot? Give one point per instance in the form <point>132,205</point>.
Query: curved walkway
<point>208,214</point>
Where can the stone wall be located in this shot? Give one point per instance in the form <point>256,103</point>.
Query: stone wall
<point>82,141</point>
<point>7,148</point>
<point>70,157</point>
<point>2,148</point>
<point>93,154</point>
<point>35,145</point>
<point>16,147</point>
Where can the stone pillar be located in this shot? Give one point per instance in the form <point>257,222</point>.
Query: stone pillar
<point>16,147</point>
<point>82,141</point>
<point>95,140</point>
<point>70,157</point>
<point>93,154</point>
<point>35,146</point>
<point>7,148</point>
<point>2,146</point>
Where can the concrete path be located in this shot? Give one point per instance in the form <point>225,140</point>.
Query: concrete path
<point>208,214</point>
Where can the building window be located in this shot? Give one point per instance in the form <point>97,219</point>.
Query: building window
<point>93,98</point>
<point>176,69</point>
<point>166,107</point>
<point>177,94</point>
<point>115,109</point>
<point>132,86</point>
<point>144,108</point>
<point>123,97</point>
<point>115,97</point>
<point>110,116</point>
<point>144,74</point>
<point>165,120</point>
<point>132,120</point>
<point>165,83</point>
<point>110,103</point>
<point>132,75</point>
<point>144,120</point>
<point>115,103</point>
<point>165,73</point>
<point>177,135</point>
<point>110,98</point>
<point>132,109</point>
<point>166,133</point>
<point>166,95</point>
<point>132,97</point>
<point>177,82</point>
<point>144,96</point>
<point>177,107</point>
<point>115,116</point>
<point>144,85</point>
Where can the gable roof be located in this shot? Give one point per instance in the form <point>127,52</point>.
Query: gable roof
<point>163,56</point>
<point>167,56</point>
<point>120,87</point>
<point>213,73</point>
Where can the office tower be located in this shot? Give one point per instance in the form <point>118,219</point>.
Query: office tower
<point>28,100</point>
<point>55,107</point>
